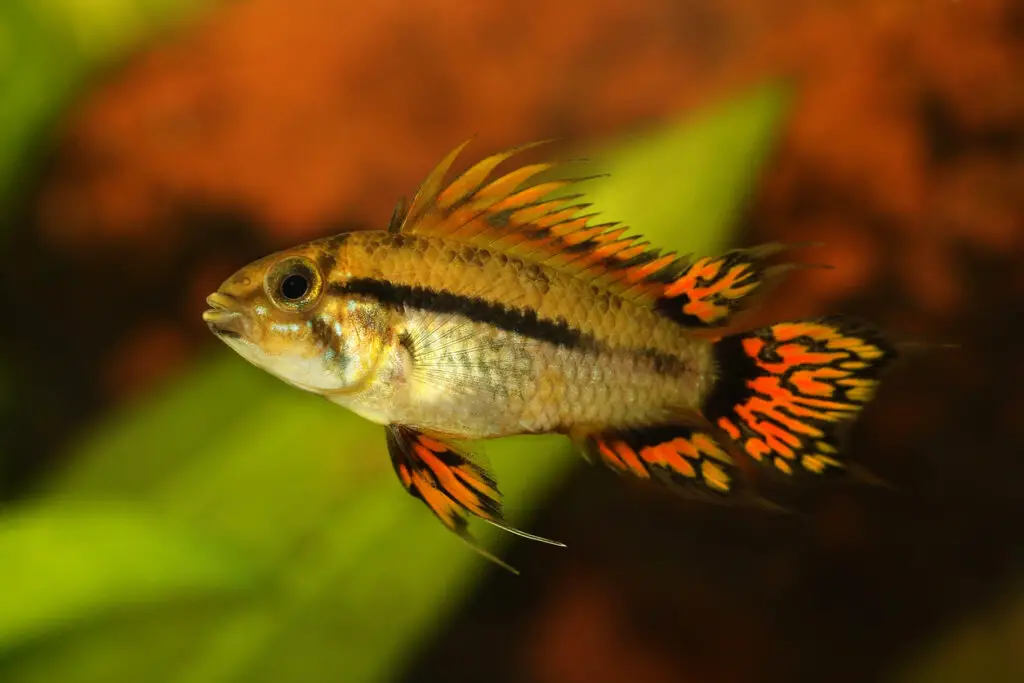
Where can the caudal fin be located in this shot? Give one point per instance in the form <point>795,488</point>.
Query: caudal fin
<point>786,392</point>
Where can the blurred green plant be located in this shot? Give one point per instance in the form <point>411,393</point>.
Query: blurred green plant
<point>92,557</point>
<point>48,49</point>
<point>346,572</point>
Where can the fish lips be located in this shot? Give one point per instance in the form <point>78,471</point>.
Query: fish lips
<point>223,318</point>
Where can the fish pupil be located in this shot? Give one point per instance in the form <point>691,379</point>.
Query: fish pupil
<point>294,287</point>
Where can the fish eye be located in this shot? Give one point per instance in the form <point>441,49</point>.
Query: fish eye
<point>293,284</point>
<point>294,287</point>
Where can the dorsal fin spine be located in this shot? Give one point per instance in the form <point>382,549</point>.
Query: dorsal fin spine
<point>428,191</point>
<point>528,216</point>
<point>642,271</point>
<point>503,186</point>
<point>561,214</point>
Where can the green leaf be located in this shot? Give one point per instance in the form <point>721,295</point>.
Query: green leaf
<point>682,187</point>
<point>362,571</point>
<point>61,564</point>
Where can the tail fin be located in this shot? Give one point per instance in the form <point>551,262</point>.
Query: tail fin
<point>786,392</point>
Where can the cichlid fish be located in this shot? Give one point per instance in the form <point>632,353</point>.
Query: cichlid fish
<point>489,308</point>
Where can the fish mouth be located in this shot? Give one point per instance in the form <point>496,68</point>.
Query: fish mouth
<point>223,319</point>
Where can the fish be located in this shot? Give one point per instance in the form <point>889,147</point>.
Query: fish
<point>496,304</point>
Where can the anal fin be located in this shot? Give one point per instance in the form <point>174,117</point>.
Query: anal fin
<point>686,459</point>
<point>448,482</point>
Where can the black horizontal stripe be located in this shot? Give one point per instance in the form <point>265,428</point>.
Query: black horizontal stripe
<point>522,321</point>
<point>518,320</point>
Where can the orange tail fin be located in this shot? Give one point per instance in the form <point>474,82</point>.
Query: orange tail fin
<point>786,392</point>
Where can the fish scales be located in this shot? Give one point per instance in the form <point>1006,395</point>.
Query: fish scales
<point>613,372</point>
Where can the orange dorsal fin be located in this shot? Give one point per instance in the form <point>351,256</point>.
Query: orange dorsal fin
<point>516,214</point>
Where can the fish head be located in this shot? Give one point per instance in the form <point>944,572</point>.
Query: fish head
<point>279,314</point>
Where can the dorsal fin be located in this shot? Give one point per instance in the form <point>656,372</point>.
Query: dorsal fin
<point>515,214</point>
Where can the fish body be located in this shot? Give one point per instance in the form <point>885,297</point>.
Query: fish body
<point>478,344</point>
<point>487,309</point>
